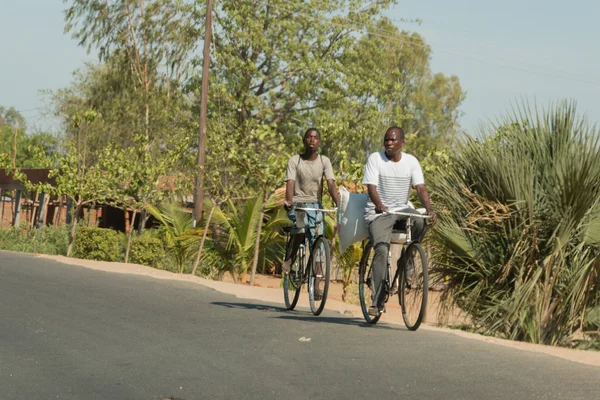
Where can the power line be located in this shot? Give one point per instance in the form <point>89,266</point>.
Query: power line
<point>31,109</point>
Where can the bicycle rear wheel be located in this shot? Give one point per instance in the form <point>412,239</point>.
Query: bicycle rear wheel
<point>414,286</point>
<point>292,281</point>
<point>318,275</point>
<point>365,284</point>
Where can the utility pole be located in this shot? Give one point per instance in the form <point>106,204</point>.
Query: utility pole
<point>15,145</point>
<point>198,195</point>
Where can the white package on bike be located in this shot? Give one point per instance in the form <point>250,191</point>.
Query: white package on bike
<point>352,226</point>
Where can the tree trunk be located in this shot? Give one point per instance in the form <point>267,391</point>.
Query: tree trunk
<point>128,226</point>
<point>33,209</point>
<point>72,230</point>
<point>197,261</point>
<point>129,237</point>
<point>257,242</point>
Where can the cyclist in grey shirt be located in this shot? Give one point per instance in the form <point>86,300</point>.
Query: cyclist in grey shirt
<point>304,185</point>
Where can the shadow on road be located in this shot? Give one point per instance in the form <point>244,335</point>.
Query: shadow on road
<point>339,321</point>
<point>305,316</point>
<point>248,306</point>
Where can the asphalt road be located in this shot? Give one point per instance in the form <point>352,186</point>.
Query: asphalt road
<point>68,332</point>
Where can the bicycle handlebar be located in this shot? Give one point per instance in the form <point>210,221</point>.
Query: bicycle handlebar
<point>425,216</point>
<point>317,209</point>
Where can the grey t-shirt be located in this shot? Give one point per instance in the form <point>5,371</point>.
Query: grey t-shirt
<point>308,177</point>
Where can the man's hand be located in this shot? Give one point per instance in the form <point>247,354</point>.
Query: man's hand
<point>433,216</point>
<point>286,205</point>
<point>379,208</point>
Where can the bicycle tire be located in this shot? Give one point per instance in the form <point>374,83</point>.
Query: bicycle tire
<point>292,281</point>
<point>365,285</point>
<point>320,250</point>
<point>414,288</point>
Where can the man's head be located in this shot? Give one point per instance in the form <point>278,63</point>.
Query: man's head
<point>393,140</point>
<point>312,139</point>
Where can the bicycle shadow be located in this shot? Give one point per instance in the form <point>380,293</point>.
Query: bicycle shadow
<point>248,306</point>
<point>303,316</point>
<point>358,322</point>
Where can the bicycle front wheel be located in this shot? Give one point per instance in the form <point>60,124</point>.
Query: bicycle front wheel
<point>292,281</point>
<point>414,286</point>
<point>365,284</point>
<point>318,275</point>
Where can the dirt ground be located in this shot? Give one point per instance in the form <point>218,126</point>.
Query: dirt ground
<point>267,289</point>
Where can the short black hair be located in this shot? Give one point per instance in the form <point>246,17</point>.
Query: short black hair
<point>396,129</point>
<point>309,130</point>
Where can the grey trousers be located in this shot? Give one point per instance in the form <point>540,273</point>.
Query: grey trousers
<point>380,233</point>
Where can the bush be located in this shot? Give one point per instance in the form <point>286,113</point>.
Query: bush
<point>518,240</point>
<point>98,244</point>
<point>47,240</point>
<point>146,250</point>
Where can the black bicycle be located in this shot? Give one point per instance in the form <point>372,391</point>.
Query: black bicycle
<point>411,279</point>
<point>319,261</point>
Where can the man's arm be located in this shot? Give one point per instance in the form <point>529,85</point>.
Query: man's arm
<point>374,196</point>
<point>335,195</point>
<point>289,194</point>
<point>424,199</point>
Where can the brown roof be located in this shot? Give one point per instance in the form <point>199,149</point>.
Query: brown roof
<point>35,175</point>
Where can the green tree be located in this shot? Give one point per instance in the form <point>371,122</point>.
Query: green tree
<point>11,117</point>
<point>102,182</point>
<point>145,46</point>
<point>387,80</point>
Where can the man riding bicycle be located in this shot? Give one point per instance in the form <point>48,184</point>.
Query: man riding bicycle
<point>389,176</point>
<point>304,177</point>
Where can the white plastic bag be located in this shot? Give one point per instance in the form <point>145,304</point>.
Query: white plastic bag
<point>352,226</point>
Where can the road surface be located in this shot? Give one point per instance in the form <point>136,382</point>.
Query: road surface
<point>68,332</point>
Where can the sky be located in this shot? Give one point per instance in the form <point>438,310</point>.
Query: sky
<point>503,52</point>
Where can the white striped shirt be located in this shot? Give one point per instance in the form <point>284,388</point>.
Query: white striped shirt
<point>393,181</point>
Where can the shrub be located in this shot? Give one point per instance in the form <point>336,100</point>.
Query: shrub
<point>47,240</point>
<point>97,244</point>
<point>146,250</point>
<point>518,240</point>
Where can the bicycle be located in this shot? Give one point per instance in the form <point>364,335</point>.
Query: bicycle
<point>319,260</point>
<point>411,280</point>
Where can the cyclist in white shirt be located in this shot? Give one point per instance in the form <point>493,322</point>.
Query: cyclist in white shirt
<point>389,176</point>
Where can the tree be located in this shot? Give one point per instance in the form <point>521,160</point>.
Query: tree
<point>144,178</point>
<point>276,59</point>
<point>11,117</point>
<point>83,186</point>
<point>387,81</point>
<point>145,45</point>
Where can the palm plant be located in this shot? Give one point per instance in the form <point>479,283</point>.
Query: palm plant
<point>235,234</point>
<point>518,240</point>
<point>180,239</point>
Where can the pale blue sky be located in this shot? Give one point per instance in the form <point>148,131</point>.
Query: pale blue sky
<point>502,51</point>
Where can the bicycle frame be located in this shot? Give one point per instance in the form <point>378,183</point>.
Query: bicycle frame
<point>392,285</point>
<point>300,224</point>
